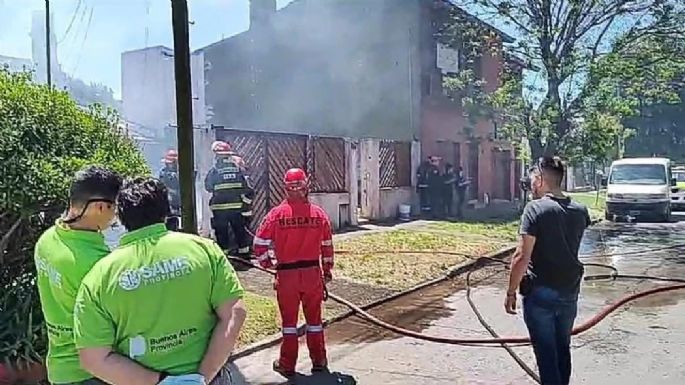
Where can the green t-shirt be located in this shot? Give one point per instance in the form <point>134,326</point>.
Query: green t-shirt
<point>62,257</point>
<point>153,299</point>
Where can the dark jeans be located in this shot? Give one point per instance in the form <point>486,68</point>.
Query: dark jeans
<point>226,221</point>
<point>461,198</point>
<point>549,316</point>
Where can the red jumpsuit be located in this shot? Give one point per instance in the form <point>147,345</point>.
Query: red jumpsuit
<point>299,233</point>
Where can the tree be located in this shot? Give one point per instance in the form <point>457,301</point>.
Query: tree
<point>44,138</point>
<point>574,43</point>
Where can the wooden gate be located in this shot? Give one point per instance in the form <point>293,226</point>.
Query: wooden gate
<point>284,152</point>
<point>269,155</point>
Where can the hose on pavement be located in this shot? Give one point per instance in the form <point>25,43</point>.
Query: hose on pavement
<point>500,340</point>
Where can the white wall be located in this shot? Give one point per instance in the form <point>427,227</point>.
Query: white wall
<point>391,198</point>
<point>331,203</point>
<point>149,90</point>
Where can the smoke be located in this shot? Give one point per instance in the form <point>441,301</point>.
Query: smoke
<point>332,67</point>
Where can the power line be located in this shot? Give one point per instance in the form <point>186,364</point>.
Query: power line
<point>71,23</point>
<point>83,42</point>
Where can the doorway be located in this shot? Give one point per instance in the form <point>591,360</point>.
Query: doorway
<point>472,169</point>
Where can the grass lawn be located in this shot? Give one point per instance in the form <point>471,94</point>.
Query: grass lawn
<point>589,199</point>
<point>262,319</point>
<point>374,258</point>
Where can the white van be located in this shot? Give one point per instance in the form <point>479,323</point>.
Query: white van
<point>639,188</point>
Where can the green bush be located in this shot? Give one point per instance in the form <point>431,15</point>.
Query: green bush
<point>45,137</point>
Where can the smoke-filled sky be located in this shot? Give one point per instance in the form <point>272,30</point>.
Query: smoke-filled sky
<point>91,34</point>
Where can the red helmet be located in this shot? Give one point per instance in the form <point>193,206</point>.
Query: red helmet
<point>295,179</point>
<point>220,147</point>
<point>171,156</point>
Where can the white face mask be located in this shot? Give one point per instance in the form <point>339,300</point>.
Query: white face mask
<point>113,233</point>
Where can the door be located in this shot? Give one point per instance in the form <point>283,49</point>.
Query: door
<point>472,169</point>
<point>502,174</point>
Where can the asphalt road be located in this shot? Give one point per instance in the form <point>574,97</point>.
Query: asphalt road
<point>640,344</point>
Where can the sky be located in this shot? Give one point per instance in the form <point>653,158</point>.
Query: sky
<point>102,29</point>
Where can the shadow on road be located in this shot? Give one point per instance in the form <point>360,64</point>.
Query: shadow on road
<point>320,378</point>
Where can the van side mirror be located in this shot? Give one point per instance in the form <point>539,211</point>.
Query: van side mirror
<point>674,182</point>
<point>604,182</point>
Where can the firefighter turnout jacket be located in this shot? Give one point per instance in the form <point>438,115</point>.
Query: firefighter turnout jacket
<point>229,186</point>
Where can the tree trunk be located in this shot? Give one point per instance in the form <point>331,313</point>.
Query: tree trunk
<point>536,148</point>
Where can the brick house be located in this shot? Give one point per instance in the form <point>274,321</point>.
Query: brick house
<point>360,69</point>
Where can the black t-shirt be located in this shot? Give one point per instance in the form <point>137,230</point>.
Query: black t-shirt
<point>558,225</point>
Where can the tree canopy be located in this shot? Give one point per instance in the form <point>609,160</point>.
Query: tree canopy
<point>598,61</point>
<point>45,137</point>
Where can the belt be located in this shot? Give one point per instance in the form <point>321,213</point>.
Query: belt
<point>297,265</point>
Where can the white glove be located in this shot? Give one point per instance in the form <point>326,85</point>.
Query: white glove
<point>186,379</point>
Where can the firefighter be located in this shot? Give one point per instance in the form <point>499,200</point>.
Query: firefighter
<point>231,198</point>
<point>169,176</point>
<point>422,187</point>
<point>299,232</point>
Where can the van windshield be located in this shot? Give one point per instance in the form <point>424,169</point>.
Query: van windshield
<point>647,174</point>
<point>679,176</point>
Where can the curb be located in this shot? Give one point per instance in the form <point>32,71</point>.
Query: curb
<point>451,273</point>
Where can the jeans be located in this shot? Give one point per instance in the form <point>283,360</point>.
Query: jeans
<point>549,316</point>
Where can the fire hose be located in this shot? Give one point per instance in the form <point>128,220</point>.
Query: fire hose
<point>504,342</point>
<point>510,340</point>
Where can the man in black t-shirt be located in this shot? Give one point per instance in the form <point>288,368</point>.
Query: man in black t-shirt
<point>546,270</point>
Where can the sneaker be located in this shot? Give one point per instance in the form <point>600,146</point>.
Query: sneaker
<point>285,373</point>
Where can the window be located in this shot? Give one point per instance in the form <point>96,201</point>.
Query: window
<point>642,174</point>
<point>447,59</point>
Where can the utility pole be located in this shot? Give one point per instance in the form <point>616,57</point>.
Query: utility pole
<point>47,41</point>
<point>184,114</point>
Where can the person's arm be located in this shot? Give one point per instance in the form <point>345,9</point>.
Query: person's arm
<point>209,180</point>
<point>327,253</point>
<point>226,298</point>
<point>262,241</point>
<point>522,256</point>
<point>116,369</point>
<point>94,336</point>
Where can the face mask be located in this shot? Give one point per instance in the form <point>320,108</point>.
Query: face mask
<point>113,233</point>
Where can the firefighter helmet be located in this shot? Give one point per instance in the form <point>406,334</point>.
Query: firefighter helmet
<point>295,179</point>
<point>171,156</point>
<point>220,147</point>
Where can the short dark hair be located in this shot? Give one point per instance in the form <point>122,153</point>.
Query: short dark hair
<point>94,182</point>
<point>143,201</point>
<point>552,169</point>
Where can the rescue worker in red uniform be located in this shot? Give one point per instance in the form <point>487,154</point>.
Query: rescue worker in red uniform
<point>299,233</point>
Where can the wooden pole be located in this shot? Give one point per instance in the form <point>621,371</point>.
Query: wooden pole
<point>47,42</point>
<point>184,114</point>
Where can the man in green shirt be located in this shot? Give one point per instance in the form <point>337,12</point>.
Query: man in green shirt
<point>164,307</point>
<point>63,255</point>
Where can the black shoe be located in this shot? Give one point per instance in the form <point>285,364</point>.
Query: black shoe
<point>288,374</point>
<point>320,367</point>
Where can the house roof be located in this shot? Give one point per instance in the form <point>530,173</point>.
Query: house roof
<point>296,5</point>
<point>503,35</point>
